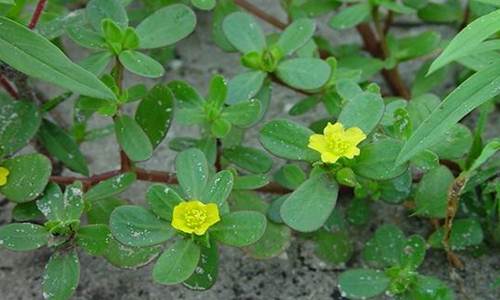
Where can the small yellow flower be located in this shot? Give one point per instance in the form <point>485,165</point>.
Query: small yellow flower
<point>195,217</point>
<point>336,142</point>
<point>4,173</point>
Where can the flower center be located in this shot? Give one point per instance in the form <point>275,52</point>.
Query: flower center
<point>338,147</point>
<point>195,217</point>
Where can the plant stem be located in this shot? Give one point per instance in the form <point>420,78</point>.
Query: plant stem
<point>126,164</point>
<point>256,11</point>
<point>392,76</point>
<point>453,198</point>
<point>37,13</point>
<point>8,87</point>
<point>147,175</point>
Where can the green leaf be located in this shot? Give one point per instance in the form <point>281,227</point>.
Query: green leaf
<point>73,201</point>
<point>63,147</point>
<point>192,116</point>
<point>137,227</point>
<point>28,211</point>
<point>98,10</point>
<point>454,144</point>
<point>276,237</point>
<point>220,128</point>
<point>427,287</point>
<point>222,9</point>
<point>23,236</point>
<point>97,62</point>
<point>464,233</point>
<point>477,89</point>
<point>28,177</point>
<point>110,187</point>
<point>303,106</point>
<point>204,4</point>
<point>290,176</point>
<point>310,205</point>
<point>162,200</point>
<point>85,37</point>
<point>411,47</point>
<point>364,111</point>
<point>448,12</point>
<point>94,238</point>
<point>19,122</point>
<point>376,160</point>
<point>244,86</point>
<point>101,209</point>
<point>488,151</point>
<point>130,257</point>
<point>288,140</point>
<point>304,73</point>
<point>130,39</point>
<point>396,190</point>
<point>250,182</point>
<point>133,139</point>
<point>51,203</point>
<point>311,8</point>
<point>177,263</point>
<point>217,92</point>
<point>396,7</point>
<point>386,247</point>
<point>359,211</point>
<point>61,276</point>
<point>192,172</point>
<point>166,26</point>
<point>350,16</point>
<point>141,64</point>
<point>218,188</point>
<point>333,247</point>
<point>273,242</point>
<point>413,253</point>
<point>348,89</point>
<point>186,95</point>
<point>363,283</point>
<point>239,229</point>
<point>32,54</point>
<point>205,274</point>
<point>154,113</point>
<point>296,35</point>
<point>244,33</point>
<point>423,84</point>
<point>467,39</point>
<point>251,159</point>
<point>431,198</point>
<point>242,114</point>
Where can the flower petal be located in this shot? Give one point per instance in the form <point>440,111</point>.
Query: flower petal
<point>333,131</point>
<point>329,158</point>
<point>318,142</point>
<point>354,135</point>
<point>212,214</point>
<point>351,152</point>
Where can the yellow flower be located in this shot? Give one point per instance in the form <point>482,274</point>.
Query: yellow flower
<point>4,172</point>
<point>336,142</point>
<point>195,217</point>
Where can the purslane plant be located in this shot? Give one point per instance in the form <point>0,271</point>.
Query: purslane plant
<point>371,144</point>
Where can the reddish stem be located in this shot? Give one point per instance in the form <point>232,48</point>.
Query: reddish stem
<point>261,14</point>
<point>147,175</point>
<point>37,13</point>
<point>392,76</point>
<point>8,87</point>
